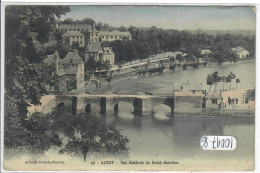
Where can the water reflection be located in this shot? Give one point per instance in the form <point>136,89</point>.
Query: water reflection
<point>158,136</point>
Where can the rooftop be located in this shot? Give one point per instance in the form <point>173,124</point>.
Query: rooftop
<point>51,58</point>
<point>93,47</point>
<point>114,32</point>
<point>107,50</point>
<point>72,33</point>
<point>72,57</point>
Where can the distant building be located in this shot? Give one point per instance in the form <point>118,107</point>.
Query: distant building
<point>98,53</point>
<point>91,33</point>
<point>114,35</point>
<point>74,27</point>
<point>69,73</point>
<point>240,51</point>
<point>71,37</point>
<point>205,52</point>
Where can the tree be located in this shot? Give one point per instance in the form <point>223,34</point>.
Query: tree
<point>179,57</point>
<point>229,78</point>
<point>25,75</point>
<point>216,78</point>
<point>75,45</point>
<point>68,21</point>
<point>210,81</point>
<point>237,81</point>
<point>86,134</point>
<point>122,28</point>
<point>213,78</point>
<point>223,79</point>
<point>21,60</point>
<point>87,21</point>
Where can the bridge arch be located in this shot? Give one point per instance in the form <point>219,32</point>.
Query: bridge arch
<point>127,105</point>
<point>89,107</point>
<point>168,101</point>
<point>162,107</point>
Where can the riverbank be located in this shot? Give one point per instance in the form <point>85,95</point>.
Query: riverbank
<point>106,79</point>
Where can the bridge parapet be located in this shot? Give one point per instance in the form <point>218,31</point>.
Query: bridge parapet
<point>143,104</point>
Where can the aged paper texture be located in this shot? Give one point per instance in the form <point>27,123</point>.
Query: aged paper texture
<point>121,87</point>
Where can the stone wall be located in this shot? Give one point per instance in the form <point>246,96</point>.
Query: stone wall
<point>188,104</point>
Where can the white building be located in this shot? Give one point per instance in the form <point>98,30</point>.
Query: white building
<point>98,53</point>
<point>240,51</point>
<point>205,52</point>
<point>114,35</point>
<point>108,55</point>
<point>71,37</point>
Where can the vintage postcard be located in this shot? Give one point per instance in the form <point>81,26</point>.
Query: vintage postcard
<point>128,87</point>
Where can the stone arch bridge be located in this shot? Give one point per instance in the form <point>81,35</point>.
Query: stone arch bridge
<point>143,104</point>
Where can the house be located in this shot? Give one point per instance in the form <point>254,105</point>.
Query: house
<point>71,37</point>
<point>213,100</point>
<point>240,51</point>
<point>114,35</point>
<point>205,52</point>
<point>98,53</point>
<point>93,51</point>
<point>108,55</point>
<point>69,74</point>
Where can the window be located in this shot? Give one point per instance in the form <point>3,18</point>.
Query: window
<point>213,101</point>
<point>96,35</point>
<point>70,29</point>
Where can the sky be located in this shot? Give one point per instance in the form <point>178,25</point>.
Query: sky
<point>169,17</point>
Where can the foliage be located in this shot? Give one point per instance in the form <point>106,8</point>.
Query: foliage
<point>155,40</point>
<point>229,78</point>
<point>33,135</point>
<point>91,65</point>
<point>210,81</point>
<point>75,45</point>
<point>213,78</point>
<point>86,133</point>
<point>179,57</point>
<point>23,76</point>
<point>75,134</point>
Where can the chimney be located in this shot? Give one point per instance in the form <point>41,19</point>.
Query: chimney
<point>94,27</point>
